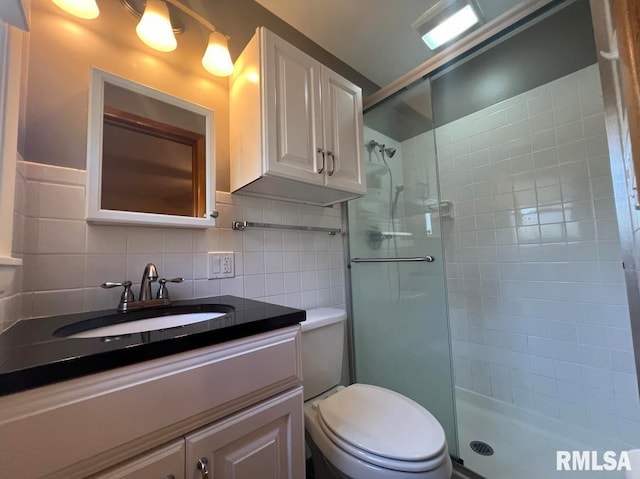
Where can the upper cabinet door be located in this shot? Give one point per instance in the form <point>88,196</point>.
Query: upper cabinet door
<point>342,103</point>
<point>293,112</point>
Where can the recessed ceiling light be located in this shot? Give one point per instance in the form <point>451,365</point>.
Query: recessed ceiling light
<point>445,21</point>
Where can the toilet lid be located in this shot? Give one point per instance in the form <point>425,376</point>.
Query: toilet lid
<point>383,422</point>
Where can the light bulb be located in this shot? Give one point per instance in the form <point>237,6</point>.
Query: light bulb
<point>155,29</point>
<point>86,9</point>
<point>216,59</point>
<point>456,24</point>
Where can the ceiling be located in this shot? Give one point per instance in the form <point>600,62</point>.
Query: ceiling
<point>368,34</point>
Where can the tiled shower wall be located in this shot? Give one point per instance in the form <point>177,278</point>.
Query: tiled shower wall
<point>537,298</point>
<point>66,259</point>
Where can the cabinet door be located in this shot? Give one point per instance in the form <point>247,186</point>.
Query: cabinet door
<point>265,441</point>
<point>342,102</point>
<point>293,115</point>
<point>166,462</point>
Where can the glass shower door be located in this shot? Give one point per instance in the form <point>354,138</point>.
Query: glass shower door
<point>400,325</point>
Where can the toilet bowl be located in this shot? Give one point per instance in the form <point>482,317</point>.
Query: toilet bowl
<point>362,431</point>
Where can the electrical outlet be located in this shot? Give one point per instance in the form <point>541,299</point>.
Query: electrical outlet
<point>227,263</point>
<point>220,265</point>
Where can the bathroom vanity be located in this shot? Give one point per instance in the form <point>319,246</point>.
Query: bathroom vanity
<point>219,398</point>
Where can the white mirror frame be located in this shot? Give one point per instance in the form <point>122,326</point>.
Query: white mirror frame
<point>10,61</point>
<point>94,213</point>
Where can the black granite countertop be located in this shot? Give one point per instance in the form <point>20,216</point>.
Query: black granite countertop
<point>35,352</point>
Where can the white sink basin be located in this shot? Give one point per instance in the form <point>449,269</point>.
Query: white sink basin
<point>148,324</point>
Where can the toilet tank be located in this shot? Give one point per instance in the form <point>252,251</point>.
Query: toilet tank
<point>322,350</point>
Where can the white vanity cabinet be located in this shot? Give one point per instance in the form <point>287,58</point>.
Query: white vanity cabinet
<point>166,462</point>
<point>296,126</point>
<point>257,443</point>
<point>237,404</point>
<point>262,441</point>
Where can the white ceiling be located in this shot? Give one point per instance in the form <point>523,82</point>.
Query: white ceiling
<point>373,36</point>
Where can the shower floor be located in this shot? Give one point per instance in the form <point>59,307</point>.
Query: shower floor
<point>525,443</point>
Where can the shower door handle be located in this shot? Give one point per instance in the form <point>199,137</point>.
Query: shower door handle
<point>411,259</point>
<point>320,150</point>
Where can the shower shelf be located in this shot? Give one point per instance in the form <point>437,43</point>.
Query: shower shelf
<point>242,225</point>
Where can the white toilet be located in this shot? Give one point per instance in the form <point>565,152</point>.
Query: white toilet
<point>362,431</point>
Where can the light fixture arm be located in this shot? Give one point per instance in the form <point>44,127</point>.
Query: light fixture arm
<point>196,16</point>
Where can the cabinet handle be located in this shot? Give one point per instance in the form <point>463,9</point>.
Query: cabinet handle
<point>202,467</point>
<point>169,476</point>
<point>333,163</point>
<point>320,150</point>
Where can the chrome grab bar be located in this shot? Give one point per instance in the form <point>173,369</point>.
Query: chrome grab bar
<point>411,259</point>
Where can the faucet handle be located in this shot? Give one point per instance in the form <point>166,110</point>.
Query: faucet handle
<point>113,284</point>
<point>163,292</point>
<point>127,294</point>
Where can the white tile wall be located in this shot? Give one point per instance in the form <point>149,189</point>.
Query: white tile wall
<point>536,289</point>
<point>66,259</point>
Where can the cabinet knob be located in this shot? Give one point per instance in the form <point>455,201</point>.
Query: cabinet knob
<point>320,150</point>
<point>202,467</point>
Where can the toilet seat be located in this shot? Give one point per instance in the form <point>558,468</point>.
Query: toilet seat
<point>383,428</point>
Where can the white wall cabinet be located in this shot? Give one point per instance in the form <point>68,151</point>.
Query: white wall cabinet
<point>296,126</point>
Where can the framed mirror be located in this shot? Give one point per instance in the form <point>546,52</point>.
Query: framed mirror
<point>150,156</point>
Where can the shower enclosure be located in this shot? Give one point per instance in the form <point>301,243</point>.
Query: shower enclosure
<point>401,330</point>
<point>485,263</point>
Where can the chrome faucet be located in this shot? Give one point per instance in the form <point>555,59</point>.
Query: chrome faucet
<point>145,298</point>
<point>149,275</point>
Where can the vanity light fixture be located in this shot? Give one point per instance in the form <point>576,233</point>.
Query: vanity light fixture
<point>216,59</point>
<point>155,29</point>
<point>86,9</point>
<point>447,20</point>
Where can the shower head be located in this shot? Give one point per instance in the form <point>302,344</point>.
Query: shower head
<point>373,144</point>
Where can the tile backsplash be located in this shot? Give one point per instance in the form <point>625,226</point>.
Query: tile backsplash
<point>66,259</point>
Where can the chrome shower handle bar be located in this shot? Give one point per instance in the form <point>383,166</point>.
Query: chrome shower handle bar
<point>410,259</point>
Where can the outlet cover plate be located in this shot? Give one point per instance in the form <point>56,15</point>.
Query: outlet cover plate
<point>220,264</point>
